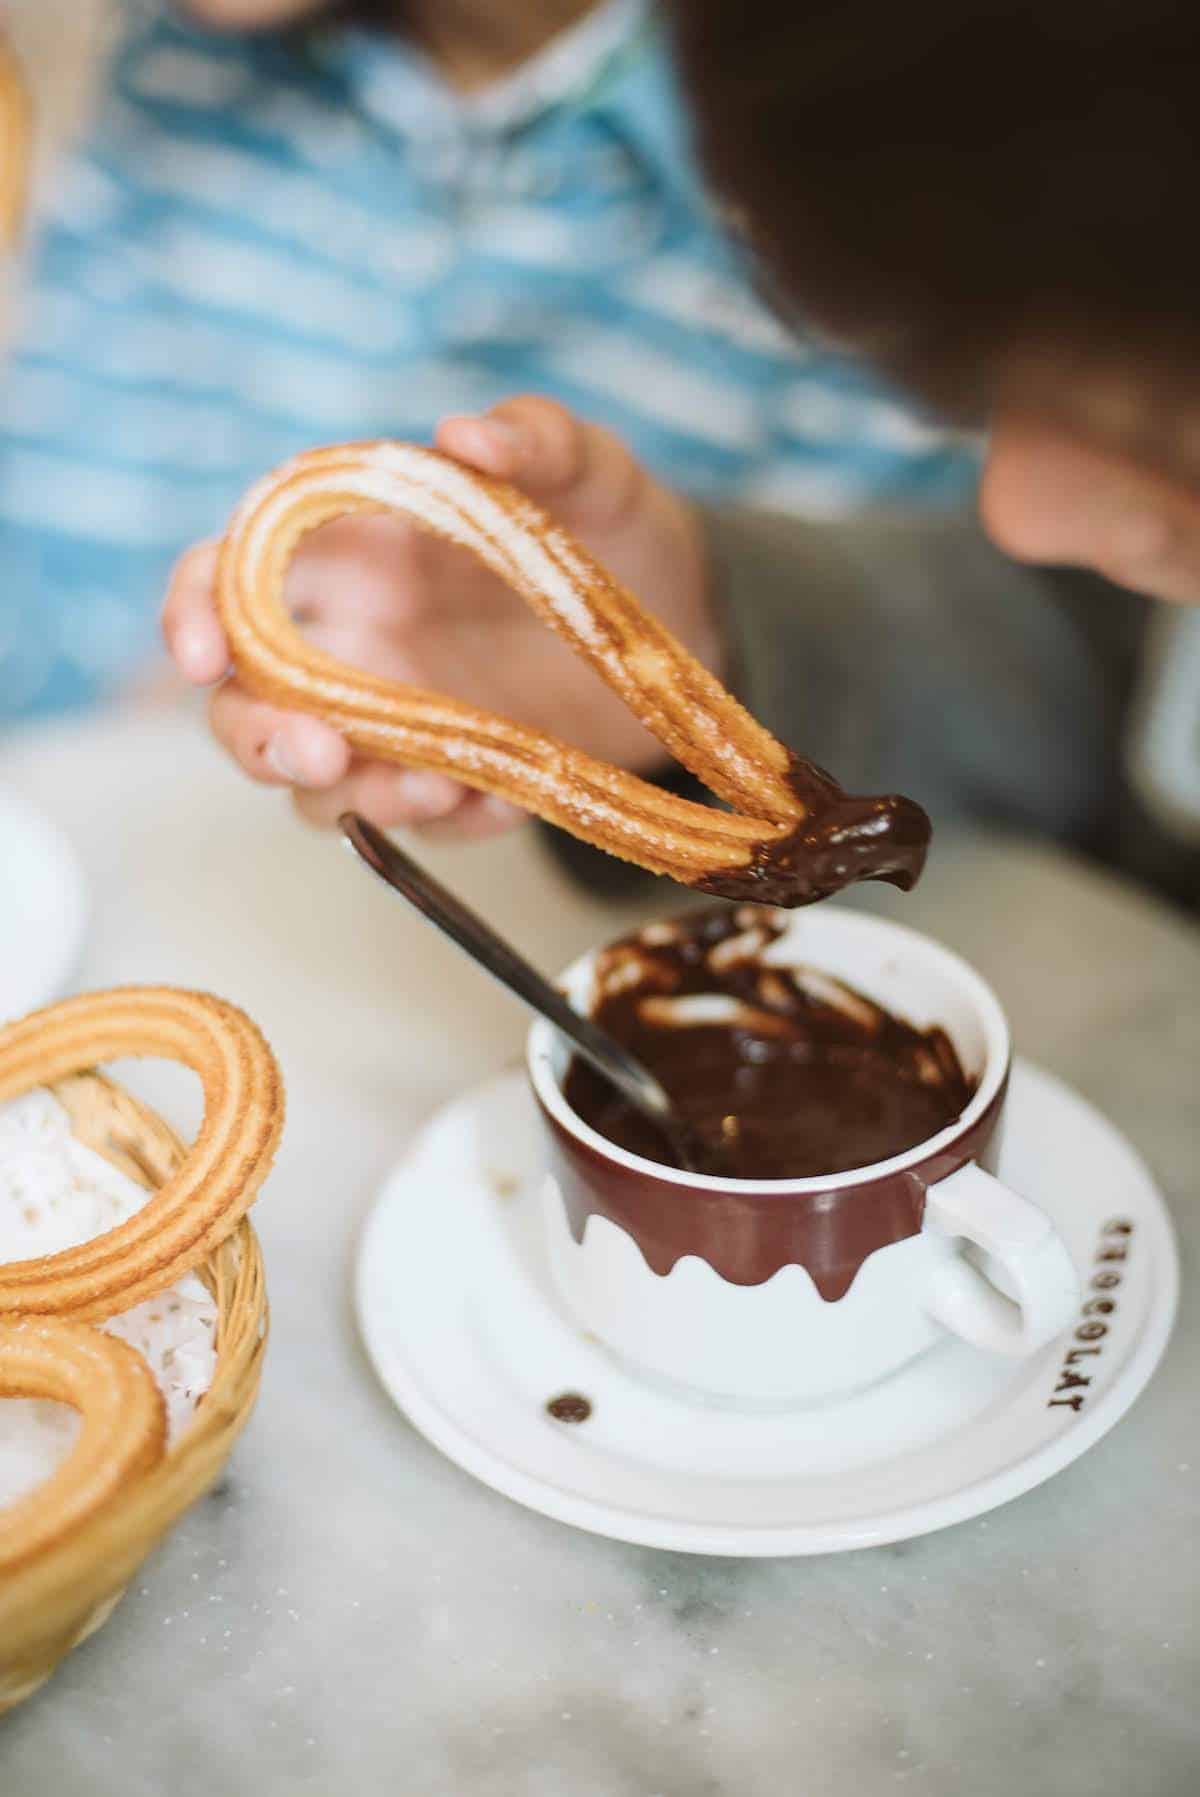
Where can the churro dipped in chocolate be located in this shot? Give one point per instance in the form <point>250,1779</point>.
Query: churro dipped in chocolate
<point>792,834</point>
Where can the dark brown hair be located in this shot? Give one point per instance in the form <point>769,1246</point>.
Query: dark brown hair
<point>384,15</point>
<point>938,179</point>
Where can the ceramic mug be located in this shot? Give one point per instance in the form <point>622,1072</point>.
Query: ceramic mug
<point>787,1291</point>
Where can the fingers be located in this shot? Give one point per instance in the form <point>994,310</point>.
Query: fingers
<point>477,817</point>
<point>388,796</point>
<point>1049,498</point>
<point>350,582</point>
<point>190,625</point>
<point>583,473</point>
<point>408,798</point>
<point>362,572</point>
<point>277,747</point>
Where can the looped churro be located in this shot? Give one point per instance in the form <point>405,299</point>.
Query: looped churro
<point>123,1432</point>
<point>198,1206</point>
<point>793,834</point>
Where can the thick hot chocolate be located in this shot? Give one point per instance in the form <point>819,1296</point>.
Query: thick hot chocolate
<point>779,1072</point>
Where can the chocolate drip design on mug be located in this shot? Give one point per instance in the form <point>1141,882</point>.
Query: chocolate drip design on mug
<point>747,1038</point>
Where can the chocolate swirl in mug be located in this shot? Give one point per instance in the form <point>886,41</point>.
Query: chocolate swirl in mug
<point>781,1071</point>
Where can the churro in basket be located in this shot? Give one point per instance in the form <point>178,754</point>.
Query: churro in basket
<point>200,1204</point>
<point>69,1545</point>
<point>123,1433</point>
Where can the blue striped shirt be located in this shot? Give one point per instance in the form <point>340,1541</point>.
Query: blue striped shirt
<point>264,243</point>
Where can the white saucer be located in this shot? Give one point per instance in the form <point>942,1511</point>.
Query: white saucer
<point>465,1331</point>
<point>43,908</point>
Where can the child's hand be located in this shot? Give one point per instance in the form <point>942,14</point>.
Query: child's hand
<point>380,593</point>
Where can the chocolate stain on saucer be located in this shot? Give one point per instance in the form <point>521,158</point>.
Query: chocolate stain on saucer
<point>569,1407</point>
<point>842,837</point>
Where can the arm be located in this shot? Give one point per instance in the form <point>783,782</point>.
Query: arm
<point>904,651</point>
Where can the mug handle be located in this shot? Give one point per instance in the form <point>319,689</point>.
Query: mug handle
<point>1029,1257</point>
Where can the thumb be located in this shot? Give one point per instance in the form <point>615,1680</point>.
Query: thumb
<point>585,475</point>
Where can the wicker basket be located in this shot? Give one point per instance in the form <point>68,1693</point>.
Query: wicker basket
<point>15,128</point>
<point>58,1600</point>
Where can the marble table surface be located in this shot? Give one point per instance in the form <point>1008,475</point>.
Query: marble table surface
<point>351,1614</point>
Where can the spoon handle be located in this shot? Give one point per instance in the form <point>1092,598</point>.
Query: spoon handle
<point>465,927</point>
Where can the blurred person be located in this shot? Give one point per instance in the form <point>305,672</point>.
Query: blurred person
<point>1006,239</point>
<point>992,211</point>
<point>292,222</point>
<point>1009,243</point>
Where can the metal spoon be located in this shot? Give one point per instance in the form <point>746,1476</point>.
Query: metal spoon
<point>481,942</point>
